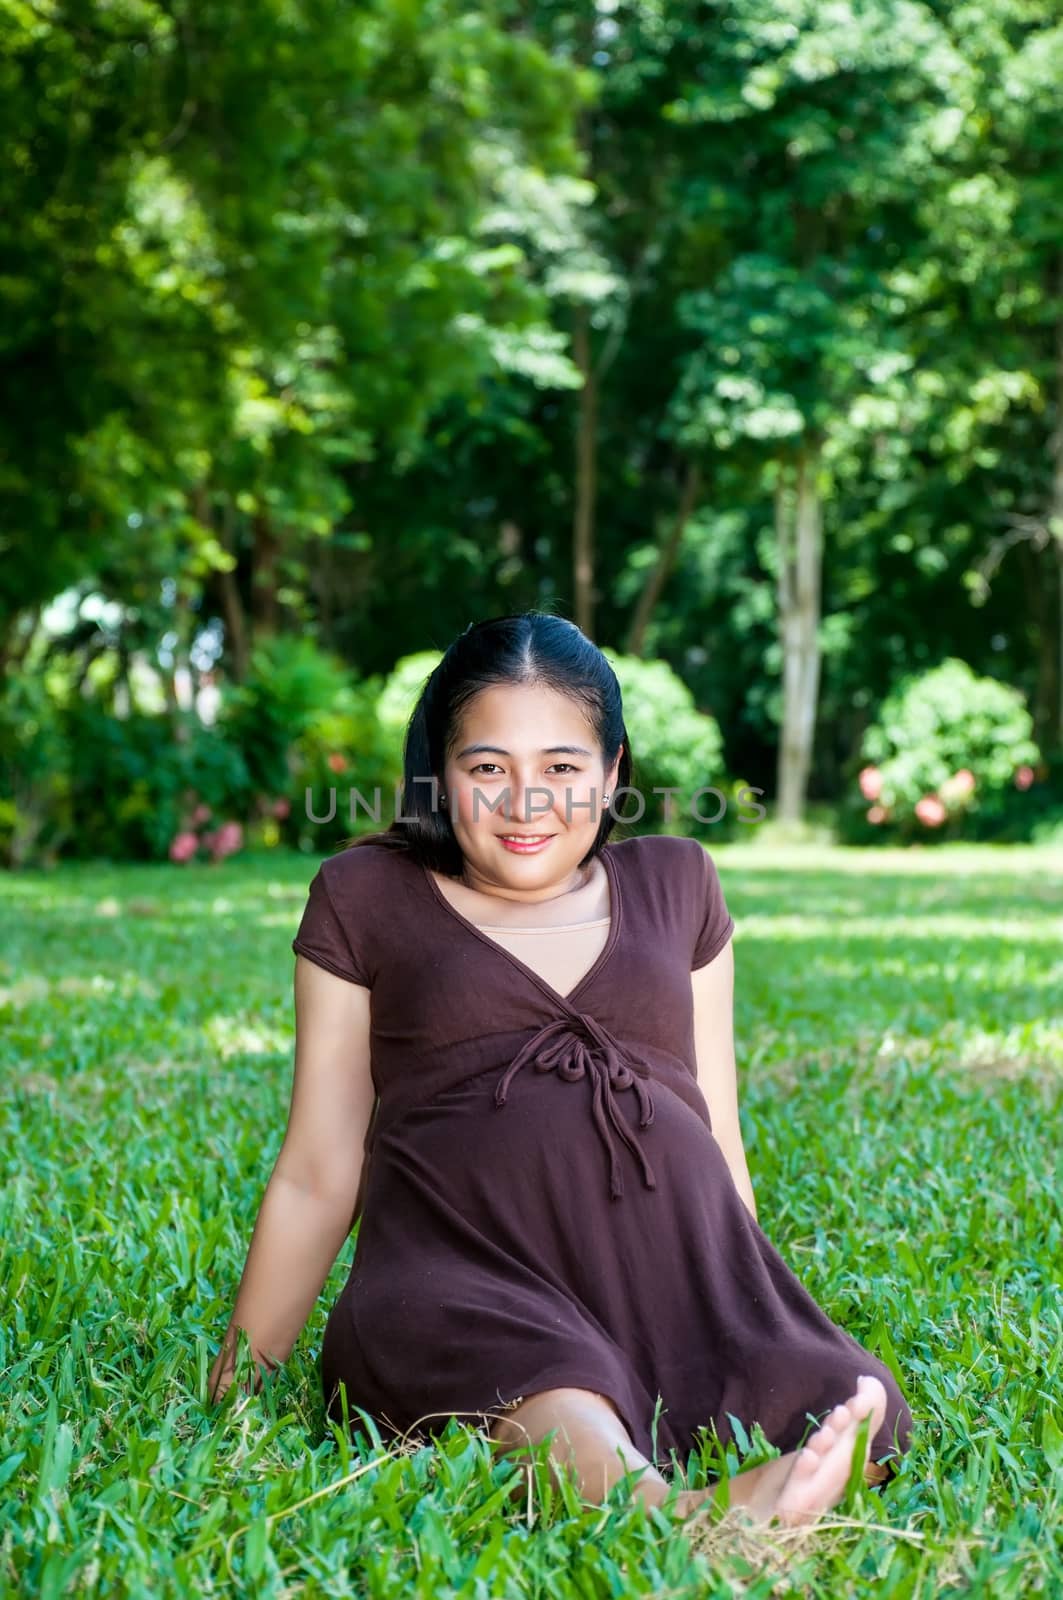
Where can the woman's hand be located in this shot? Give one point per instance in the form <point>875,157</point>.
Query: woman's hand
<point>223,1373</point>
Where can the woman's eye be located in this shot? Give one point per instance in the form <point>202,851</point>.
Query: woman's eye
<point>567,765</point>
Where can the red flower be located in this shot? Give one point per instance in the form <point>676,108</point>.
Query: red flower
<point>930,811</point>
<point>228,839</point>
<point>870,783</point>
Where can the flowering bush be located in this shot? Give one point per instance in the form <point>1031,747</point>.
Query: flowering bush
<point>310,734</point>
<point>946,745</point>
<point>215,843</point>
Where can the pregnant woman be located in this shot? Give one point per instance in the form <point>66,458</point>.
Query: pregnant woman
<point>515,1063</point>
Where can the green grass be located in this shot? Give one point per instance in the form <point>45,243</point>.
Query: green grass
<point>900,1040</point>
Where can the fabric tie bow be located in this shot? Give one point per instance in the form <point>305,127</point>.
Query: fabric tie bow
<point>579,1046</point>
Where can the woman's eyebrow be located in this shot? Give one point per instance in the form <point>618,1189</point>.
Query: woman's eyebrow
<point>547,750</point>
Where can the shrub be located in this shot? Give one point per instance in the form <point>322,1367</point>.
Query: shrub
<point>308,732</point>
<point>291,681</point>
<point>343,748</point>
<point>948,746</point>
<point>139,780</point>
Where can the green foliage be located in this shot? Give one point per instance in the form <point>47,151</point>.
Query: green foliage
<point>946,742</point>
<point>402,689</point>
<point>136,780</point>
<point>292,682</point>
<point>301,753</point>
<point>324,375</point>
<point>35,794</point>
<point>311,732</point>
<point>345,766</point>
<point>243,326</point>
<point>1029,810</point>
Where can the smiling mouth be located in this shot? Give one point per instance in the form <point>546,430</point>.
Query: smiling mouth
<point>525,838</point>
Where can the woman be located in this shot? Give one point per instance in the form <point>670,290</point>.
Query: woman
<point>559,1232</point>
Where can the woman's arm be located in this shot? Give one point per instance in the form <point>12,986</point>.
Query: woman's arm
<point>309,1204</point>
<point>713,986</point>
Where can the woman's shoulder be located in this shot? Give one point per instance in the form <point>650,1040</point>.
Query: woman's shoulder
<point>359,865</point>
<point>339,929</point>
<point>662,852</point>
<point>677,882</point>
<point>360,878</point>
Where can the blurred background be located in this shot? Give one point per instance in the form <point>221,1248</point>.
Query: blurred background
<point>733,332</point>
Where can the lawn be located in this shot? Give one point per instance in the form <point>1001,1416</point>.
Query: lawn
<point>899,1028</point>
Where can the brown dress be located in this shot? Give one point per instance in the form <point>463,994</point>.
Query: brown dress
<point>545,1203</point>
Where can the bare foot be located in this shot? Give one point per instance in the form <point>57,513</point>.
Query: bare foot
<point>798,1487</point>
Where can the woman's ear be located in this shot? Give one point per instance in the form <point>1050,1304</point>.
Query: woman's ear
<point>614,772</point>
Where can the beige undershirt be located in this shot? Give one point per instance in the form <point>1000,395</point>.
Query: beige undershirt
<point>561,955</point>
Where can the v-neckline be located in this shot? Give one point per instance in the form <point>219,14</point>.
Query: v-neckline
<point>566,1000</point>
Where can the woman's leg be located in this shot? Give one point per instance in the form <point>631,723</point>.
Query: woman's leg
<point>591,1439</point>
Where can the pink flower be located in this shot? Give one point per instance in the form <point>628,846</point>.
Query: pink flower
<point>281,808</point>
<point>338,763</point>
<point>877,814</point>
<point>201,814</point>
<point>183,846</point>
<point>1024,776</point>
<point>930,811</point>
<point>227,839</point>
<point>870,783</point>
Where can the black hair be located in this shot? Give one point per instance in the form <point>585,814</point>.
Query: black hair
<point>527,647</point>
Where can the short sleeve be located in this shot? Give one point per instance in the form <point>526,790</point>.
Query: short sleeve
<point>322,936</point>
<point>715,924</point>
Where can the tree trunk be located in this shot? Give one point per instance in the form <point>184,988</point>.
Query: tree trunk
<point>799,532</point>
<point>228,590</point>
<point>666,555</point>
<point>326,589</point>
<point>264,575</point>
<point>584,594</point>
<point>1055,524</point>
<point>16,641</point>
<point>1042,605</point>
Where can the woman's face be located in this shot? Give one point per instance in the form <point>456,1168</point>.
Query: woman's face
<point>525,761</point>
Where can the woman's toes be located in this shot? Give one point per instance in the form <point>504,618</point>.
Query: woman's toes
<point>873,1400</point>
<point>873,1388</point>
<point>809,1456</point>
<point>818,1477</point>
<point>824,1437</point>
<point>834,1423</point>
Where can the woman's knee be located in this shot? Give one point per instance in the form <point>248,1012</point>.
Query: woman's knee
<point>535,1415</point>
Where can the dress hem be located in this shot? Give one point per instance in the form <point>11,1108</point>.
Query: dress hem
<point>561,1377</point>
